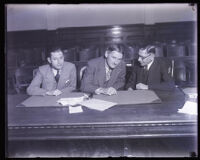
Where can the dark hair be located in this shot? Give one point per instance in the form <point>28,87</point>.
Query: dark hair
<point>115,47</point>
<point>53,49</point>
<point>151,49</point>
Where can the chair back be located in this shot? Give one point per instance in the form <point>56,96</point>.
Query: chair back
<point>22,78</point>
<point>35,72</point>
<point>176,50</point>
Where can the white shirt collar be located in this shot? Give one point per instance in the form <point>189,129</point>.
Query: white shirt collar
<point>107,67</point>
<point>55,71</point>
<point>149,65</point>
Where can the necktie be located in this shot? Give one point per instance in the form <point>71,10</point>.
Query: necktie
<point>145,74</point>
<point>145,68</point>
<point>57,76</point>
<point>108,74</point>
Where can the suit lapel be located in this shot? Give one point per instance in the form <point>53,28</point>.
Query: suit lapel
<point>151,71</point>
<point>101,74</point>
<point>114,75</point>
<point>51,78</point>
<point>63,74</point>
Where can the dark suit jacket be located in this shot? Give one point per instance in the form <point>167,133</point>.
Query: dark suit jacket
<point>46,78</point>
<point>158,77</point>
<point>95,76</point>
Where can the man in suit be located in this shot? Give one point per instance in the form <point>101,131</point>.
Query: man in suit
<point>151,74</point>
<point>105,75</point>
<point>54,78</point>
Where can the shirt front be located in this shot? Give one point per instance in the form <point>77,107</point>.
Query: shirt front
<point>108,71</point>
<point>149,65</point>
<point>55,71</point>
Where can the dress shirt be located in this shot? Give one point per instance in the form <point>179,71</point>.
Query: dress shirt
<point>108,71</point>
<point>55,71</point>
<point>148,65</point>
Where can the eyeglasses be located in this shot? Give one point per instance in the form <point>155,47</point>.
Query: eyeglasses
<point>144,57</point>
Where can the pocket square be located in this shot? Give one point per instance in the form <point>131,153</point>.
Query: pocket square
<point>67,81</point>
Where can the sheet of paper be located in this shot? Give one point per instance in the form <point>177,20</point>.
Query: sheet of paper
<point>70,101</point>
<point>97,104</point>
<point>191,92</point>
<point>48,101</point>
<point>131,97</point>
<point>75,109</point>
<point>189,108</point>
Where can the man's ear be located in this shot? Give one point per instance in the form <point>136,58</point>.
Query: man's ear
<point>49,60</point>
<point>106,54</point>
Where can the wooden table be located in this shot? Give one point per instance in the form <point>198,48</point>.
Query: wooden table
<point>119,122</point>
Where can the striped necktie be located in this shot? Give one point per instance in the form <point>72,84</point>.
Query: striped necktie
<point>108,73</point>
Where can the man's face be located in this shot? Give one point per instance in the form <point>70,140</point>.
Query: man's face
<point>113,58</point>
<point>144,57</point>
<point>56,60</point>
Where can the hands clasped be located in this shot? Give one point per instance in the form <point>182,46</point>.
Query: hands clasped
<point>107,91</point>
<point>141,86</point>
<point>53,93</point>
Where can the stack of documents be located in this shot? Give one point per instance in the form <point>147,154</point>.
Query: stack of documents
<point>70,101</point>
<point>189,108</point>
<point>97,104</point>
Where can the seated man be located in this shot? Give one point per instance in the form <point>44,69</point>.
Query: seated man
<point>56,77</point>
<point>151,74</point>
<point>105,75</point>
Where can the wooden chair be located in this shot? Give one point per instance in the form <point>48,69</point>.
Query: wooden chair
<point>35,72</point>
<point>86,54</point>
<point>176,50</point>
<point>159,51</point>
<point>70,54</point>
<point>180,73</point>
<point>22,78</point>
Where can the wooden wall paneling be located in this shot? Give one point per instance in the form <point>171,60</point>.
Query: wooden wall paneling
<point>76,39</point>
<point>179,31</point>
<point>26,46</point>
<point>88,45</point>
<point>149,34</point>
<point>26,38</point>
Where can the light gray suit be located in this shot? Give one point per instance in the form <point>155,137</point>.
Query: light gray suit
<point>46,78</point>
<point>95,76</point>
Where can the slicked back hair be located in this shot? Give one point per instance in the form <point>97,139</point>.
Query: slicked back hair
<point>115,47</point>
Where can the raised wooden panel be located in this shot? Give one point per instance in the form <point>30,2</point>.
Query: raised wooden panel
<point>32,46</point>
<point>26,38</point>
<point>179,31</point>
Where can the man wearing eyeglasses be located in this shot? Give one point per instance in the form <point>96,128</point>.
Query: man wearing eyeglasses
<point>151,74</point>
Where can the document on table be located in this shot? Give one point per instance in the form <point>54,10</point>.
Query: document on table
<point>97,104</point>
<point>191,92</point>
<point>75,109</point>
<point>189,108</point>
<point>70,101</point>
<point>52,101</point>
<point>131,97</point>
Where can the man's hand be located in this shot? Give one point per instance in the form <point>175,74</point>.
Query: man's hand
<point>99,91</point>
<point>107,91</point>
<point>141,86</point>
<point>54,92</point>
<point>111,91</point>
